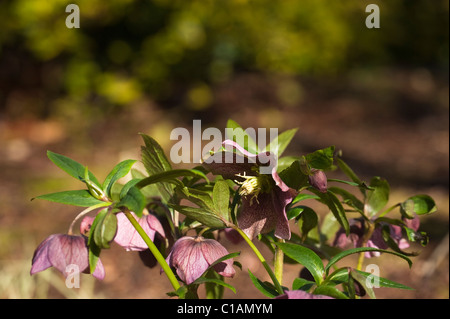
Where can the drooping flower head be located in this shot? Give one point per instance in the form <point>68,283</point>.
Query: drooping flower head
<point>191,257</point>
<point>61,251</point>
<point>264,195</point>
<point>357,229</point>
<point>300,294</point>
<point>129,238</point>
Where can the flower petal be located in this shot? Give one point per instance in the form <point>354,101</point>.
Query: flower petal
<point>266,214</point>
<point>300,294</point>
<point>188,259</point>
<point>213,250</point>
<point>40,259</point>
<point>65,250</point>
<point>129,238</point>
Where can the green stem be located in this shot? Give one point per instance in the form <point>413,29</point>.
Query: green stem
<point>367,235</point>
<point>170,275</point>
<point>278,262</point>
<point>261,259</point>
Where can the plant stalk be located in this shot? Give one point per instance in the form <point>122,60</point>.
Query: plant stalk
<point>366,238</point>
<point>261,259</point>
<point>278,262</point>
<point>169,273</point>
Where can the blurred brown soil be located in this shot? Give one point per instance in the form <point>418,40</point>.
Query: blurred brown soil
<point>393,124</point>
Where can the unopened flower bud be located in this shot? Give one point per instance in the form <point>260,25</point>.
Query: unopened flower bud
<point>318,180</point>
<point>86,224</point>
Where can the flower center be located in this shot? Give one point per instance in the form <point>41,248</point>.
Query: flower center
<point>253,186</point>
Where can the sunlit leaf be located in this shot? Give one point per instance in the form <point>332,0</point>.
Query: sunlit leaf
<point>306,257</point>
<point>82,198</point>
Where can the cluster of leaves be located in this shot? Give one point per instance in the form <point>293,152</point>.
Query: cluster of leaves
<point>216,203</point>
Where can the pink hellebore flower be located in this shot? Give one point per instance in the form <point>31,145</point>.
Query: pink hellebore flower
<point>376,240</point>
<point>355,238</point>
<point>192,256</point>
<point>264,196</point>
<point>300,294</point>
<point>61,251</point>
<point>129,238</point>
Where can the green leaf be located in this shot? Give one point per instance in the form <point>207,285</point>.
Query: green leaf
<point>203,216</point>
<point>203,280</point>
<point>337,277</point>
<point>105,228</point>
<point>331,291</point>
<point>266,289</point>
<point>134,200</point>
<point>302,284</point>
<point>171,177</point>
<point>348,171</point>
<point>346,253</point>
<point>208,278</point>
<point>71,167</point>
<point>303,196</point>
<point>180,292</point>
<point>308,220</point>
<point>279,144</point>
<point>236,133</point>
<point>354,280</point>
<point>286,161</point>
<point>94,255</point>
<point>155,161</point>
<point>199,197</point>
<point>293,176</point>
<point>419,204</point>
<point>335,206</point>
<point>119,171</point>
<point>329,227</point>
<point>294,212</point>
<point>82,198</point>
<point>214,291</point>
<point>306,257</point>
<point>94,249</point>
<point>321,159</point>
<point>223,258</point>
<point>348,198</point>
<point>382,282</point>
<point>378,197</point>
<point>221,198</point>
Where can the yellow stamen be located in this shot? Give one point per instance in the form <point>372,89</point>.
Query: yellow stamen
<point>251,186</point>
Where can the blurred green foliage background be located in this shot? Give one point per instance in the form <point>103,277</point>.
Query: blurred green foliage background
<point>175,50</point>
<point>149,66</point>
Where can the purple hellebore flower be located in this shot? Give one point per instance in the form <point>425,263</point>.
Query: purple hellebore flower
<point>355,238</point>
<point>376,240</point>
<point>318,180</point>
<point>264,196</point>
<point>129,238</point>
<point>192,256</point>
<point>355,235</point>
<point>300,294</point>
<point>60,251</point>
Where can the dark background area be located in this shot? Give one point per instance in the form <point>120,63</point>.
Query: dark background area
<point>379,95</point>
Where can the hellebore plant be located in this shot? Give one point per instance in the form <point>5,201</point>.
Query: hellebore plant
<point>238,197</point>
<point>191,257</point>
